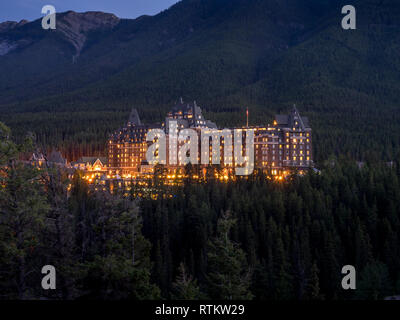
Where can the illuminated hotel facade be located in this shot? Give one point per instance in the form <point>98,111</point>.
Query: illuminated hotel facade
<point>279,149</point>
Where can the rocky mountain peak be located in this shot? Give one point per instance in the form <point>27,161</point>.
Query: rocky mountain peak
<point>76,26</point>
<point>9,25</point>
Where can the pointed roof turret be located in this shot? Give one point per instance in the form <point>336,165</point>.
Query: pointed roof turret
<point>295,118</point>
<point>292,120</point>
<point>134,118</point>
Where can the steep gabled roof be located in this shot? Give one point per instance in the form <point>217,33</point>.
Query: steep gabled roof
<point>284,120</point>
<point>91,160</point>
<point>134,118</point>
<point>56,157</point>
<point>306,122</point>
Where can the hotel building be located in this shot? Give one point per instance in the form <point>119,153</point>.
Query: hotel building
<point>280,148</point>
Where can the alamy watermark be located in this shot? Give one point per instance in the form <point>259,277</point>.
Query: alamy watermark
<point>49,280</point>
<point>349,20</point>
<point>49,20</point>
<point>183,147</point>
<point>349,280</point>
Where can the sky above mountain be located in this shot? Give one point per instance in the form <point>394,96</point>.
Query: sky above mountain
<point>15,10</point>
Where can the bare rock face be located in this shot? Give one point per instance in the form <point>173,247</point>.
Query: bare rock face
<point>72,26</point>
<point>9,25</point>
<point>6,47</point>
<point>76,26</point>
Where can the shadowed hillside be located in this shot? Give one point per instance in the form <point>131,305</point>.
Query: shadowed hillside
<point>74,87</point>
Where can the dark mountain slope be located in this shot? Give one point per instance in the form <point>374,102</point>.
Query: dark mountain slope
<point>104,51</point>
<point>38,56</point>
<point>225,54</point>
<point>348,82</point>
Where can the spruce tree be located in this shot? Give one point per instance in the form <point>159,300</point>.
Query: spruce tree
<point>23,209</point>
<point>228,276</point>
<point>185,286</point>
<point>313,288</point>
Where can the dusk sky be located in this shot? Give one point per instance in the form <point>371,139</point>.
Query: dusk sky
<point>16,10</point>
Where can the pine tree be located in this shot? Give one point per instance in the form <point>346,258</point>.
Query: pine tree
<point>23,208</point>
<point>228,276</point>
<point>185,286</point>
<point>60,235</point>
<point>374,283</point>
<point>118,266</point>
<point>313,289</point>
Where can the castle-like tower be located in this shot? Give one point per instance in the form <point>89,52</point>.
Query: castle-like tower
<point>286,145</point>
<point>127,146</point>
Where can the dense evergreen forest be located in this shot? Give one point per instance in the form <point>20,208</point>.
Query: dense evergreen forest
<point>249,239</point>
<point>228,55</point>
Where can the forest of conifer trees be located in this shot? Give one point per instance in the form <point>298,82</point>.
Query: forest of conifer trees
<point>252,239</point>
